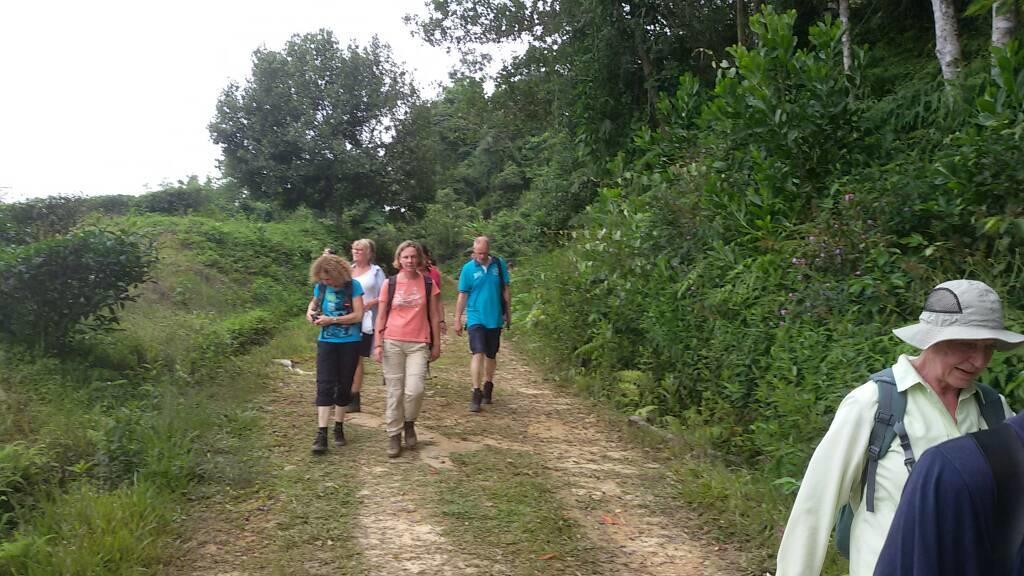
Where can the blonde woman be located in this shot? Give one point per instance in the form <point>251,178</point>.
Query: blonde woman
<point>371,278</point>
<point>337,308</point>
<point>406,339</point>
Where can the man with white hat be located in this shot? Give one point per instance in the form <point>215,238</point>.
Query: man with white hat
<point>881,427</point>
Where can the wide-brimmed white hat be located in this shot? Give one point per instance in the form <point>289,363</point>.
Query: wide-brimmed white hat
<point>960,310</point>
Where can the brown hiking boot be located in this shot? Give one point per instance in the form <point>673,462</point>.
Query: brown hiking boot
<point>339,434</point>
<point>478,397</point>
<point>320,443</point>
<point>488,391</point>
<point>394,445</point>
<point>410,435</point>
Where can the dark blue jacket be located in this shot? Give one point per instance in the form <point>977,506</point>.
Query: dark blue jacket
<point>944,523</point>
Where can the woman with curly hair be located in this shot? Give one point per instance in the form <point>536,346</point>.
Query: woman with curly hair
<point>337,308</point>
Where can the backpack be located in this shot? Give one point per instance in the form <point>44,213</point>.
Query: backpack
<point>1005,455</point>
<point>428,284</point>
<point>318,304</point>
<point>892,404</point>
<point>503,276</point>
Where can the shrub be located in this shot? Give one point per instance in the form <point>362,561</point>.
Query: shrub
<point>51,289</point>
<point>34,220</point>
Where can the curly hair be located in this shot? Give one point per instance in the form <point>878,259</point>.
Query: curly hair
<point>335,267</point>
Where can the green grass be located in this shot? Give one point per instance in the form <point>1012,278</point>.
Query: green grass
<point>86,530</point>
<point>108,442</point>
<point>500,503</point>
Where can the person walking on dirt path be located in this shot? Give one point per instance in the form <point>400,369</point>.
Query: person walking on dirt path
<point>435,275</point>
<point>962,511</point>
<point>370,277</point>
<point>860,466</point>
<point>484,300</point>
<point>407,338</point>
<point>337,308</point>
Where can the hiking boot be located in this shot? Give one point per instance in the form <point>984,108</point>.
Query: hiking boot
<point>478,397</point>
<point>394,445</point>
<point>410,435</point>
<point>339,434</point>
<point>488,391</point>
<point>353,406</point>
<point>320,444</point>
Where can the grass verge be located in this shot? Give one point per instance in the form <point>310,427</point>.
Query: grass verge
<point>499,504</point>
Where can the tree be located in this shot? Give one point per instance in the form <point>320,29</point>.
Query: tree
<point>312,124</point>
<point>947,39</point>
<point>844,17</point>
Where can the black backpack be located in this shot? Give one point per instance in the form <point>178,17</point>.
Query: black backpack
<point>1004,452</point>
<point>892,404</point>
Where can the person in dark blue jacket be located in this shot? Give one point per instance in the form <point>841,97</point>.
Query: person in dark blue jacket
<point>951,520</point>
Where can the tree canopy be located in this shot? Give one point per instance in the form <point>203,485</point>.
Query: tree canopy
<point>312,123</point>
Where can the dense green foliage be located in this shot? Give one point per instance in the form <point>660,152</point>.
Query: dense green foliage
<point>752,258</point>
<point>717,238</point>
<point>81,281</point>
<point>311,125</point>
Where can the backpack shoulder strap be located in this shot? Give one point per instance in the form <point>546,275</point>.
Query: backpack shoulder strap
<point>392,283</point>
<point>502,270</point>
<point>1004,452</point>
<point>991,405</point>
<point>321,293</point>
<point>892,405</point>
<point>428,287</point>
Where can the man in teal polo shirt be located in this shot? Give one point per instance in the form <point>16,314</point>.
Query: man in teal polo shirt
<point>484,298</point>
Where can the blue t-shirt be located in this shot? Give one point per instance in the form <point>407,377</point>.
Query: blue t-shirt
<point>337,303</point>
<point>945,522</point>
<point>483,287</point>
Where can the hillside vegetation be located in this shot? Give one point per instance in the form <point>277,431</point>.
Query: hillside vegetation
<point>716,238</point>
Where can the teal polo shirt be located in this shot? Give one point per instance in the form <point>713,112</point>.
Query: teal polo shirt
<point>483,288</point>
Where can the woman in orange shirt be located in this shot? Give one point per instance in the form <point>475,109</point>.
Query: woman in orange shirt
<point>407,338</point>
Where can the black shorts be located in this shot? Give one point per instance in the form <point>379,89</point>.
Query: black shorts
<point>483,340</point>
<point>335,370</point>
<point>366,345</point>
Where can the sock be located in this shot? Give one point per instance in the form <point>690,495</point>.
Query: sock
<point>322,429</point>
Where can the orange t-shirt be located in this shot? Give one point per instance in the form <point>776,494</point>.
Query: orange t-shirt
<point>407,318</point>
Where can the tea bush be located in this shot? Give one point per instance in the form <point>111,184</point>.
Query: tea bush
<point>52,289</point>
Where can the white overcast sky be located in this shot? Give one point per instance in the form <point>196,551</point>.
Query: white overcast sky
<point>113,97</point>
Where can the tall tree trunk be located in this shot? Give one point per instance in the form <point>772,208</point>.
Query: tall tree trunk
<point>1004,22</point>
<point>741,22</point>
<point>844,18</point>
<point>947,39</point>
<point>640,44</point>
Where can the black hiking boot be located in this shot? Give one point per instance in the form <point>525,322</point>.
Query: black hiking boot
<point>410,435</point>
<point>478,397</point>
<point>354,406</point>
<point>488,391</point>
<point>395,445</point>
<point>339,434</point>
<point>320,444</point>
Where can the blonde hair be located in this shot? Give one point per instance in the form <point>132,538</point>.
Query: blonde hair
<point>368,245</point>
<point>409,244</point>
<point>333,266</point>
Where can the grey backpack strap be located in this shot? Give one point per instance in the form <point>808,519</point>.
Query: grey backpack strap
<point>892,405</point>
<point>990,405</point>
